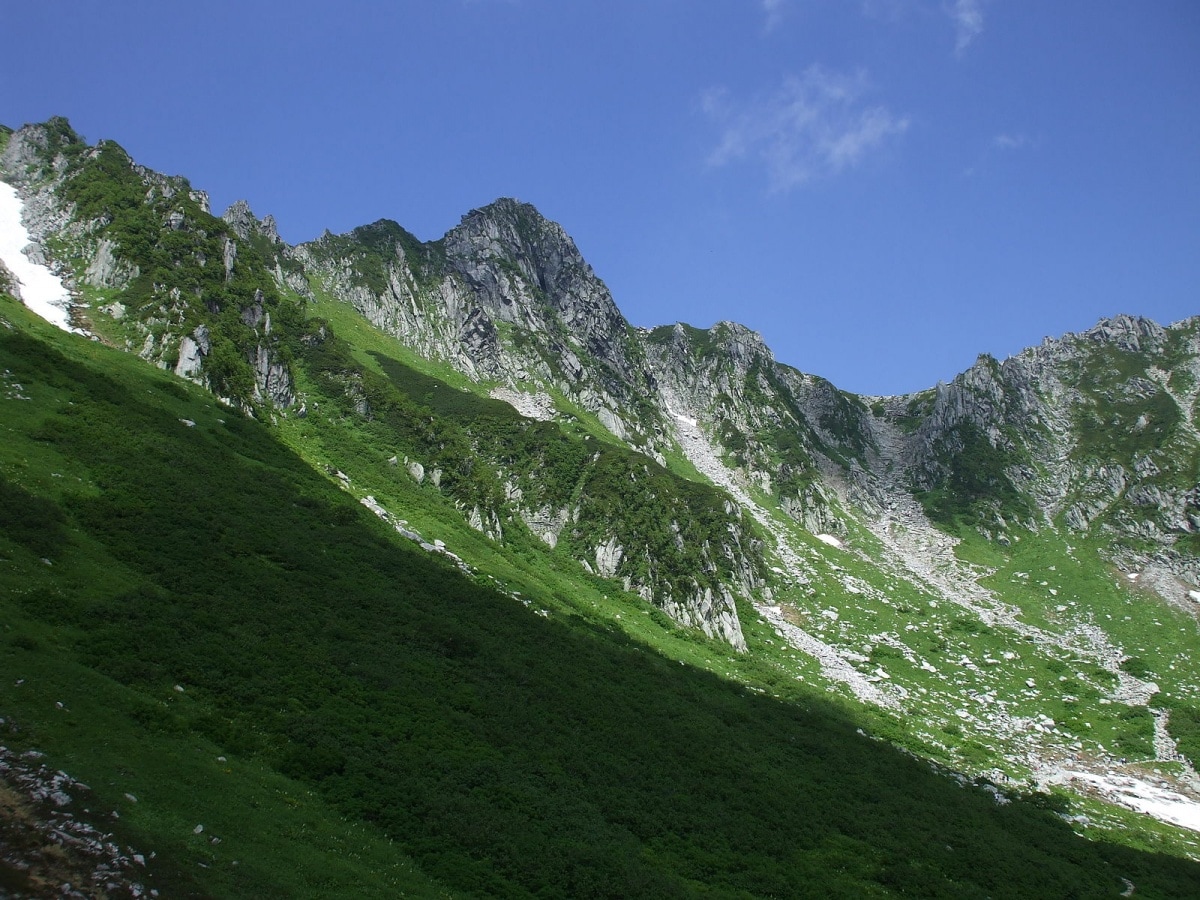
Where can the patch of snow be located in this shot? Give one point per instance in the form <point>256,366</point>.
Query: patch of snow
<point>830,540</point>
<point>680,417</point>
<point>1133,793</point>
<point>41,290</point>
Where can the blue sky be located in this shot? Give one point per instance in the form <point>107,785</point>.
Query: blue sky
<point>883,188</point>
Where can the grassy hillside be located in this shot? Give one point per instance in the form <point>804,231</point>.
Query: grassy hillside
<point>237,643</point>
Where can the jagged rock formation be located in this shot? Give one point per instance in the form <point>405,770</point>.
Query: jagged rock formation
<point>8,282</point>
<point>110,225</point>
<point>504,297</point>
<point>780,427</point>
<point>1092,433</point>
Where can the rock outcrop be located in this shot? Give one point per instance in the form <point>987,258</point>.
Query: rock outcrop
<point>1093,432</point>
<point>93,203</point>
<point>504,297</point>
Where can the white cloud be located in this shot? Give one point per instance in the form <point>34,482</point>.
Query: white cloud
<point>773,9</point>
<point>967,16</point>
<point>813,126</point>
<point>1011,141</point>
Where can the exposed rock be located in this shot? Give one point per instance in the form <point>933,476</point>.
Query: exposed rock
<point>192,350</point>
<point>272,378</point>
<point>245,225</point>
<point>503,265</point>
<point>608,557</point>
<point>9,283</point>
<point>548,524</point>
<point>106,270</point>
<point>532,406</point>
<point>230,258</point>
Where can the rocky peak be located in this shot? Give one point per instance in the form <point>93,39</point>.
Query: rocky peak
<point>741,343</point>
<point>727,351</point>
<point>515,238</point>
<point>1127,332</point>
<point>508,228</point>
<point>32,149</point>
<point>245,225</point>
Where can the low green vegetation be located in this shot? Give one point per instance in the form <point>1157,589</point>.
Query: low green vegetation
<point>197,610</point>
<point>975,487</point>
<point>362,691</point>
<point>191,270</point>
<point>481,449</point>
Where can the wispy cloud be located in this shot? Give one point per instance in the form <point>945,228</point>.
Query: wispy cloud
<point>967,16</point>
<point>1011,141</point>
<point>1001,144</point>
<point>773,10</point>
<point>812,127</point>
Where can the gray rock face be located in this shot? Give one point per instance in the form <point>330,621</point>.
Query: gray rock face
<point>505,296</point>
<point>24,153</point>
<point>1096,432</point>
<point>106,270</point>
<point>192,350</point>
<point>241,220</point>
<point>608,557</point>
<point>779,427</point>
<point>526,271</point>
<point>714,613</point>
<point>287,270</point>
<point>8,282</point>
<point>272,379</point>
<point>230,258</point>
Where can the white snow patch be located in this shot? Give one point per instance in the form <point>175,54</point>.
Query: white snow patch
<point>41,290</point>
<point>1136,794</point>
<point>830,540</point>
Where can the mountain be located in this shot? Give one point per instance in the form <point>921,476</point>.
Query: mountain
<point>437,545</point>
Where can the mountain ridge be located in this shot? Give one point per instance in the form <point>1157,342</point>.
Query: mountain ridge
<point>889,542</point>
<point>507,267</point>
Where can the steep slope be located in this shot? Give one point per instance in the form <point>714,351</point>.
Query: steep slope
<point>184,293</point>
<point>234,654</point>
<point>222,302</point>
<point>785,431</point>
<point>1095,432</point>
<point>973,563</point>
<point>505,297</point>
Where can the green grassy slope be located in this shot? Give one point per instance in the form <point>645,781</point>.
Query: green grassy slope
<point>391,726</point>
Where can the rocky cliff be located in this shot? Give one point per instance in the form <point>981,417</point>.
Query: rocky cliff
<point>183,288</point>
<point>506,298</point>
<point>1092,433</point>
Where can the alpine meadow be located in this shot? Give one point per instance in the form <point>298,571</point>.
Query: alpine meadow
<point>376,567</point>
